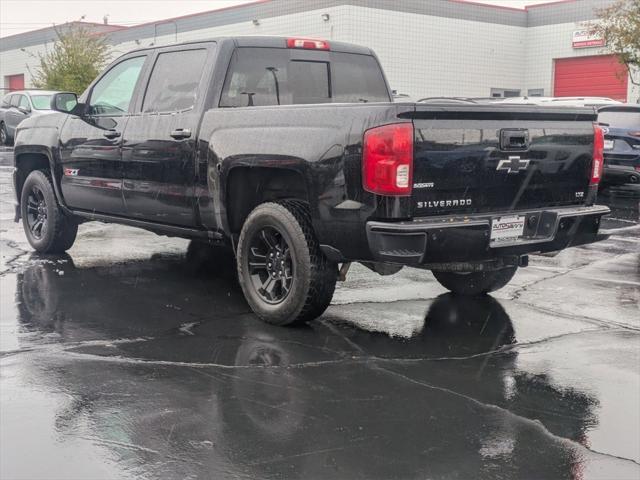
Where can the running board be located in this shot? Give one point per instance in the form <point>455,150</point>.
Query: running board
<point>169,230</point>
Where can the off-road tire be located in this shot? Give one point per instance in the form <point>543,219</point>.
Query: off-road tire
<point>314,276</point>
<point>475,283</point>
<point>59,231</point>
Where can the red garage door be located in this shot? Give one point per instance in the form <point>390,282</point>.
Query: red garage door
<point>597,76</point>
<point>15,82</point>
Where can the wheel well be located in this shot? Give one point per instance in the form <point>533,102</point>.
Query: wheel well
<point>27,163</point>
<point>248,187</point>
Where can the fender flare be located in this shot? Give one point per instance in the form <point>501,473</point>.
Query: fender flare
<point>50,154</point>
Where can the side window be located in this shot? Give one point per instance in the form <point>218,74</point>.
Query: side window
<point>112,94</point>
<point>24,103</point>
<point>173,85</point>
<point>256,76</point>
<point>6,101</point>
<point>15,100</point>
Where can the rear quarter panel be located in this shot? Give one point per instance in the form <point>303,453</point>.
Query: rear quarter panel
<point>322,143</point>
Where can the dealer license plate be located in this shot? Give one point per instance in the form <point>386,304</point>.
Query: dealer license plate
<point>506,229</point>
<point>608,144</point>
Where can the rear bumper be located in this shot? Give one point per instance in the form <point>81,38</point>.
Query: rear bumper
<point>467,239</point>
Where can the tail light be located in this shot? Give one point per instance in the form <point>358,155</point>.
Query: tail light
<point>387,159</point>
<point>635,134</point>
<point>307,43</point>
<point>598,155</point>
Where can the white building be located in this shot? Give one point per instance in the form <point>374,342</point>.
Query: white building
<point>427,47</point>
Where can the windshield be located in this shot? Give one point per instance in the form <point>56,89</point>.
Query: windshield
<point>41,102</point>
<point>620,118</point>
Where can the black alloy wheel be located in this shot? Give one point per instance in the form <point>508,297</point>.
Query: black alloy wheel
<point>4,137</point>
<point>270,266</point>
<point>283,273</point>
<point>47,228</point>
<point>36,212</point>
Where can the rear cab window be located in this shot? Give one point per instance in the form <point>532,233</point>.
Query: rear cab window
<point>279,76</point>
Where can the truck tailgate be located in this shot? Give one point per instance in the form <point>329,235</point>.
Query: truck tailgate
<point>479,158</point>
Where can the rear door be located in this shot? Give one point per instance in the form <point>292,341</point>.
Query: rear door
<point>481,159</point>
<point>160,139</point>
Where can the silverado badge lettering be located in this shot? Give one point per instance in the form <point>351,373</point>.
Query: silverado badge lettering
<point>463,202</point>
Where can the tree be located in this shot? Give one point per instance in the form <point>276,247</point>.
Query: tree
<point>619,25</point>
<point>76,58</point>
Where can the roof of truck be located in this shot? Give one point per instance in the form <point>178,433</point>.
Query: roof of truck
<point>267,41</point>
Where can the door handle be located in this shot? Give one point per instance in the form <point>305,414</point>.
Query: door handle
<point>181,133</point>
<point>112,134</point>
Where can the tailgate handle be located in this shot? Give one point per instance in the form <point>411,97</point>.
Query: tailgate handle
<point>514,139</point>
<point>181,133</point>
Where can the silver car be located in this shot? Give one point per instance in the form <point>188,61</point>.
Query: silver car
<point>18,105</point>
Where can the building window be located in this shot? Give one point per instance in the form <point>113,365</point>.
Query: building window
<point>504,92</point>
<point>535,92</point>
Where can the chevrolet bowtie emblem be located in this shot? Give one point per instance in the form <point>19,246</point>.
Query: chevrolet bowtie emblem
<point>513,164</point>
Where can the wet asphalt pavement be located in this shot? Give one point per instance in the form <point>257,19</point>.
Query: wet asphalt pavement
<point>135,356</point>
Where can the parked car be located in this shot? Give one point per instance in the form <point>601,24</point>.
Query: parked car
<point>19,105</point>
<point>621,125</point>
<point>561,101</point>
<point>292,152</point>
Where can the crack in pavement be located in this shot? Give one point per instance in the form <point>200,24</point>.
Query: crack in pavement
<point>8,263</point>
<point>584,318</point>
<point>519,291</point>
<point>536,424</point>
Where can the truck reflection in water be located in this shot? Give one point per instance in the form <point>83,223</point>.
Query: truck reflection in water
<point>170,371</point>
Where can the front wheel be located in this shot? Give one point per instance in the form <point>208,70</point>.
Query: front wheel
<point>4,135</point>
<point>475,283</point>
<point>47,228</point>
<point>284,276</point>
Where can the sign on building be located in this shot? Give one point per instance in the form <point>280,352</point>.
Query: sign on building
<point>587,39</point>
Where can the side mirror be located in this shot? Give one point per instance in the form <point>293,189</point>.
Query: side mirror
<point>24,111</point>
<point>64,102</point>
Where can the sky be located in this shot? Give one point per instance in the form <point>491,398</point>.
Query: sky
<point>17,16</point>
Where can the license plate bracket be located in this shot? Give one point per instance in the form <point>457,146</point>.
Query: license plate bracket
<point>506,229</point>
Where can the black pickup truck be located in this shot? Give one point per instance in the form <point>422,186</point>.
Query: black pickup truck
<point>292,152</point>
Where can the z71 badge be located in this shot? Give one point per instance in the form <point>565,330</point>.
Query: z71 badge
<point>70,172</point>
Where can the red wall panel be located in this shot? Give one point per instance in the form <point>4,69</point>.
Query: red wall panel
<point>16,82</point>
<point>596,76</point>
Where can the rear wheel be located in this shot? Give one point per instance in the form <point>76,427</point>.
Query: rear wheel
<point>284,276</point>
<point>475,283</point>
<point>47,228</point>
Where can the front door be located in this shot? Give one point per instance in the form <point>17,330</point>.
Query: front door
<point>91,144</point>
<point>159,149</point>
